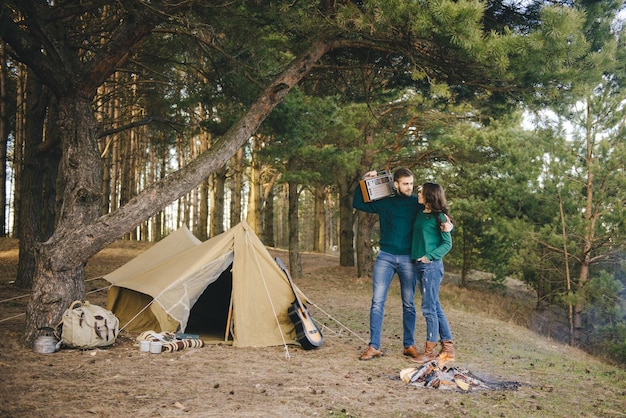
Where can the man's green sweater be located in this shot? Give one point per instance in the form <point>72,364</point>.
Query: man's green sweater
<point>396,215</point>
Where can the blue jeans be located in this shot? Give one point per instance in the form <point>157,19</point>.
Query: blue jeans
<point>429,277</point>
<point>385,267</point>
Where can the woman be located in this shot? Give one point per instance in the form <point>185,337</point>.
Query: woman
<point>429,246</point>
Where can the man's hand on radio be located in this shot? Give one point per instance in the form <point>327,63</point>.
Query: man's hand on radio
<point>370,174</point>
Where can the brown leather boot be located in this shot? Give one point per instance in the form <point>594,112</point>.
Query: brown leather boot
<point>411,351</point>
<point>370,353</point>
<point>447,351</point>
<point>427,355</point>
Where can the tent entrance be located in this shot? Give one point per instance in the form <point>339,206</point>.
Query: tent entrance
<point>209,316</point>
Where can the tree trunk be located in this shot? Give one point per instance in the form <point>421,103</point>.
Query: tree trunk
<point>60,264</point>
<point>253,216</point>
<point>268,219</point>
<point>18,145</point>
<point>203,215</point>
<point>218,186</point>
<point>365,256</point>
<point>4,137</point>
<point>236,164</point>
<point>295,264</point>
<point>346,223</point>
<point>364,223</point>
<point>332,229</point>
<point>194,201</point>
<point>319,233</point>
<point>590,219</point>
<point>31,180</point>
<point>52,187</point>
<point>282,209</point>
<point>267,234</point>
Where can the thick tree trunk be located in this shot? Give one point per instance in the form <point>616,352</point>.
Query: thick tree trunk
<point>52,187</point>
<point>60,268</point>
<point>31,181</point>
<point>346,223</point>
<point>365,253</point>
<point>364,221</point>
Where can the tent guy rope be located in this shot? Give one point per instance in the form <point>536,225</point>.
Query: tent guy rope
<point>23,313</point>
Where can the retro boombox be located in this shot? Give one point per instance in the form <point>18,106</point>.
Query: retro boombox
<point>379,187</point>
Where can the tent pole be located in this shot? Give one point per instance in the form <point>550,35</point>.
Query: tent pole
<point>230,313</point>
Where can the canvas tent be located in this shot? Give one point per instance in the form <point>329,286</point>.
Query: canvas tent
<point>228,286</point>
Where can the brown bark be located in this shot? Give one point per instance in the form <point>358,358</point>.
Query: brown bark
<point>59,274</point>
<point>4,136</point>
<point>253,216</point>
<point>218,187</point>
<point>160,216</point>
<point>346,222</point>
<point>365,254</point>
<point>268,219</point>
<point>18,147</point>
<point>31,180</point>
<point>281,209</point>
<point>365,221</point>
<point>295,265</point>
<point>332,226</point>
<point>52,186</point>
<point>204,191</point>
<point>319,232</point>
<point>236,164</point>
<point>194,201</point>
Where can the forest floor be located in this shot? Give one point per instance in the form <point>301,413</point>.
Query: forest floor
<point>554,380</point>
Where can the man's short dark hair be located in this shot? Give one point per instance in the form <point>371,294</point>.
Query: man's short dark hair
<point>402,172</point>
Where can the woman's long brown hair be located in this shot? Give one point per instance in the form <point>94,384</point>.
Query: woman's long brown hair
<point>435,197</point>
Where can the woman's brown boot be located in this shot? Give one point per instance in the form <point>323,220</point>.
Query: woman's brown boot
<point>447,351</point>
<point>427,355</point>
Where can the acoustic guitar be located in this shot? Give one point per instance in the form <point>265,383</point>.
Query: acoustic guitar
<point>307,333</point>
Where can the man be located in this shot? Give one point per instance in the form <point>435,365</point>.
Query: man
<point>396,216</point>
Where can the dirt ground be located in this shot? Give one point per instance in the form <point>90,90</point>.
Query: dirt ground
<point>224,381</point>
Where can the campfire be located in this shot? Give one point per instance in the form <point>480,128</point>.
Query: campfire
<point>436,375</point>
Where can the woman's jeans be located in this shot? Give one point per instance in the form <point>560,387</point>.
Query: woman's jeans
<point>429,277</point>
<point>385,267</point>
